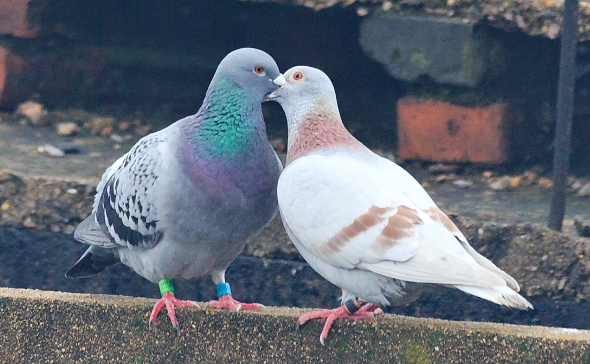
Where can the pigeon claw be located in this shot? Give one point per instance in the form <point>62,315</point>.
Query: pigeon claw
<point>365,312</point>
<point>170,302</point>
<point>229,303</point>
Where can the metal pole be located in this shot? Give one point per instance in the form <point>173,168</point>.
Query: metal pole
<point>565,107</point>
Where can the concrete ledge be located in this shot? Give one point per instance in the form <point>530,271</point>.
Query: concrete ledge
<point>39,326</point>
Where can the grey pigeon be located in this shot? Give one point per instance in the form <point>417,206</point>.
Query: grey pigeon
<point>363,222</point>
<point>184,201</point>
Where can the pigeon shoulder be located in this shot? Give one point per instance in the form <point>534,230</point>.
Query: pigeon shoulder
<point>157,140</point>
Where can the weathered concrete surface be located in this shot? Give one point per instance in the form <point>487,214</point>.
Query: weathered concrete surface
<point>25,18</point>
<point>38,326</point>
<point>18,148</point>
<point>448,51</point>
<point>535,17</point>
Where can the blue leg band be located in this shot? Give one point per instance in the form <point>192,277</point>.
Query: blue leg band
<point>223,289</point>
<point>352,306</point>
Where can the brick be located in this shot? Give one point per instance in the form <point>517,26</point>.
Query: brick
<point>4,54</point>
<point>10,66</point>
<point>442,132</point>
<point>15,16</point>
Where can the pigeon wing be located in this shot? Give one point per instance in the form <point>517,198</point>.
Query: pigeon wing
<point>124,207</point>
<point>350,213</point>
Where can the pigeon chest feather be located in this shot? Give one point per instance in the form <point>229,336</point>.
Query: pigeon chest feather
<point>235,190</point>
<point>319,129</point>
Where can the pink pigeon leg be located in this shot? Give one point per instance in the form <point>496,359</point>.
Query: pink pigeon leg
<point>229,303</point>
<point>369,309</point>
<point>226,301</point>
<point>170,302</point>
<point>350,309</point>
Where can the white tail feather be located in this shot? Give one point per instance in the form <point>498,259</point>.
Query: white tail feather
<point>503,295</point>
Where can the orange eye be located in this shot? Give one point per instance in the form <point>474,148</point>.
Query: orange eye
<point>297,76</point>
<point>259,70</point>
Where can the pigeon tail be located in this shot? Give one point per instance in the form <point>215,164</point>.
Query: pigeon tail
<point>504,296</point>
<point>94,261</point>
<point>89,232</point>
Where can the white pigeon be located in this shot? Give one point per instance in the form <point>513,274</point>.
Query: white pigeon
<point>363,222</point>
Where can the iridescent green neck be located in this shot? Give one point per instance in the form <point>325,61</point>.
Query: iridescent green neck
<point>227,120</point>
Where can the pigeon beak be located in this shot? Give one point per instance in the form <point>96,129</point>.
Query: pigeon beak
<point>269,97</point>
<point>280,80</point>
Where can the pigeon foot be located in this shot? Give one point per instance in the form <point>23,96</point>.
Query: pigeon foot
<point>366,311</point>
<point>229,303</point>
<point>170,302</point>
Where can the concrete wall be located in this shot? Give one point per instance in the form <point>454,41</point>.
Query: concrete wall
<point>54,327</point>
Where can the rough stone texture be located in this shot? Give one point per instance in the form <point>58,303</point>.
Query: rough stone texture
<point>534,17</point>
<point>448,51</point>
<point>439,131</point>
<point>52,199</point>
<point>56,327</point>
<point>28,18</point>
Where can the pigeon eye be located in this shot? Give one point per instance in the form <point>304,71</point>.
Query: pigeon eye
<point>259,70</point>
<point>297,76</point>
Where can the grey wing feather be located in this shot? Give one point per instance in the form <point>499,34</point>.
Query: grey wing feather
<point>124,209</point>
<point>88,232</point>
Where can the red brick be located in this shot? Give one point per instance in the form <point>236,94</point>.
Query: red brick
<point>14,18</point>
<point>443,132</point>
<point>10,66</point>
<point>4,54</point>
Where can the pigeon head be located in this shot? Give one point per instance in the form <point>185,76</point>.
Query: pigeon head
<point>306,89</point>
<point>253,70</point>
<point>313,119</point>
